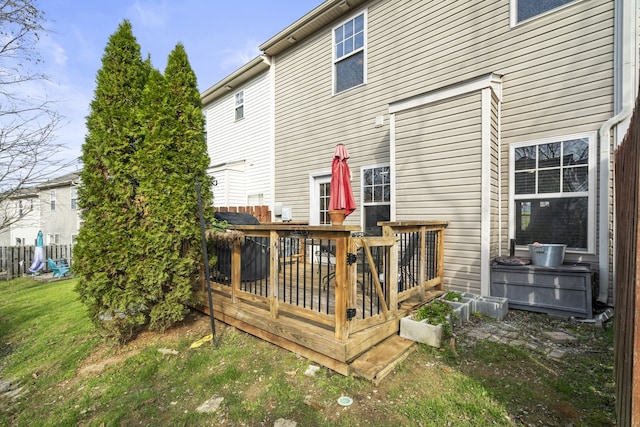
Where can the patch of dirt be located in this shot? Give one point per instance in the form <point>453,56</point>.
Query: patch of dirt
<point>196,325</point>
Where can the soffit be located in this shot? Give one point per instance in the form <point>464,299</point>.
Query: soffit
<point>318,18</point>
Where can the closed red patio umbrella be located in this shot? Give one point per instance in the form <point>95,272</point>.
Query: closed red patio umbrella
<point>340,193</point>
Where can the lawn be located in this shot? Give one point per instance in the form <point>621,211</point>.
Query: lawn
<point>70,376</point>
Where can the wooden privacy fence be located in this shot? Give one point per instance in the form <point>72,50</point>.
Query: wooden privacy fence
<point>16,260</point>
<point>262,213</point>
<point>627,259</point>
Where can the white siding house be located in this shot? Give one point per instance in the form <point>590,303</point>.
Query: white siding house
<point>50,207</point>
<point>24,211</point>
<point>239,117</point>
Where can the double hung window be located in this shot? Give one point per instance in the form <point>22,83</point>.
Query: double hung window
<point>239,105</point>
<point>376,197</point>
<point>74,198</point>
<point>553,191</point>
<point>324,186</point>
<point>349,45</point>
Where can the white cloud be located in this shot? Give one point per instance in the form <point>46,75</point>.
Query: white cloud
<point>56,52</point>
<point>233,59</point>
<point>150,13</point>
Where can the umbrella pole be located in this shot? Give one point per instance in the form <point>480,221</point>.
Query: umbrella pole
<point>206,263</point>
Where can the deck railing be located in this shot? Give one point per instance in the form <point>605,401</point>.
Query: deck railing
<point>331,276</point>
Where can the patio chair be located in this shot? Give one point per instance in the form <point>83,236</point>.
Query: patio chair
<point>59,268</point>
<point>326,256</point>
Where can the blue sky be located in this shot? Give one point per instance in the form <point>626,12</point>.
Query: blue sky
<point>219,37</point>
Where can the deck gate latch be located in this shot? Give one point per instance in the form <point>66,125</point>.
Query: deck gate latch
<point>351,313</point>
<point>351,258</point>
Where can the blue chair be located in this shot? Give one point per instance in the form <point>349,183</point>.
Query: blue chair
<point>60,268</point>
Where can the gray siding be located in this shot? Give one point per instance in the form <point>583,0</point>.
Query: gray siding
<point>63,220</point>
<point>438,154</point>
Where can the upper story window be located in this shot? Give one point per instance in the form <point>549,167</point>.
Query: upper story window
<point>52,199</point>
<point>239,105</point>
<point>553,186</point>
<point>522,10</point>
<point>74,198</point>
<point>349,45</point>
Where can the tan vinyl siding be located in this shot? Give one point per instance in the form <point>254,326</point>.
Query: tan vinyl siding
<point>557,75</point>
<point>557,79</point>
<point>438,176</point>
<point>495,181</point>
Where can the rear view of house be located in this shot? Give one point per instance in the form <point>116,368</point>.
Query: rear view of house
<point>499,117</point>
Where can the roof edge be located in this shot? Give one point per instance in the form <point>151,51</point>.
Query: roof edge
<point>308,24</point>
<point>236,78</point>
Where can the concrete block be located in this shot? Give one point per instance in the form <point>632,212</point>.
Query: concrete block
<point>496,307</point>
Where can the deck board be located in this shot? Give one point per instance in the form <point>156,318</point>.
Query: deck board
<point>380,360</point>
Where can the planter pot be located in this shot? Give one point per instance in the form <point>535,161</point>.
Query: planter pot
<point>422,331</point>
<point>470,299</point>
<point>337,216</point>
<point>460,313</point>
<point>495,307</point>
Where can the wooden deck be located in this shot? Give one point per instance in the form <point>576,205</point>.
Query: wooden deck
<point>331,299</point>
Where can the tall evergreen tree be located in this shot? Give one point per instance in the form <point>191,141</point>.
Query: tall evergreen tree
<point>170,160</point>
<point>108,196</point>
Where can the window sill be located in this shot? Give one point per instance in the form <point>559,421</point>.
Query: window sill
<point>349,90</point>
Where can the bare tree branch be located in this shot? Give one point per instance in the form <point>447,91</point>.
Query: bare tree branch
<point>28,119</point>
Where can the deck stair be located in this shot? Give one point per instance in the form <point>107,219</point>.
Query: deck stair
<point>379,361</point>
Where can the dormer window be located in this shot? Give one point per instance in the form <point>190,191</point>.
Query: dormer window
<point>349,56</point>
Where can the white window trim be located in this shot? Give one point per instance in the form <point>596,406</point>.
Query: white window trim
<point>71,198</point>
<point>236,106</point>
<point>315,179</point>
<point>513,12</point>
<point>52,200</point>
<point>592,193</point>
<point>363,49</point>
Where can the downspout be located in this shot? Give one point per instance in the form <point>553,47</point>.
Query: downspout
<point>625,39</point>
<point>271,61</point>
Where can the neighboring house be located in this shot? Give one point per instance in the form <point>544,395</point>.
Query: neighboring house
<point>51,207</point>
<point>59,213</point>
<point>500,117</point>
<point>22,211</point>
<point>239,128</point>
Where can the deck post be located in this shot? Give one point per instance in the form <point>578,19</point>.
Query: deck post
<point>422,273</point>
<point>341,290</point>
<point>273,277</point>
<point>352,278</point>
<point>236,270</point>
